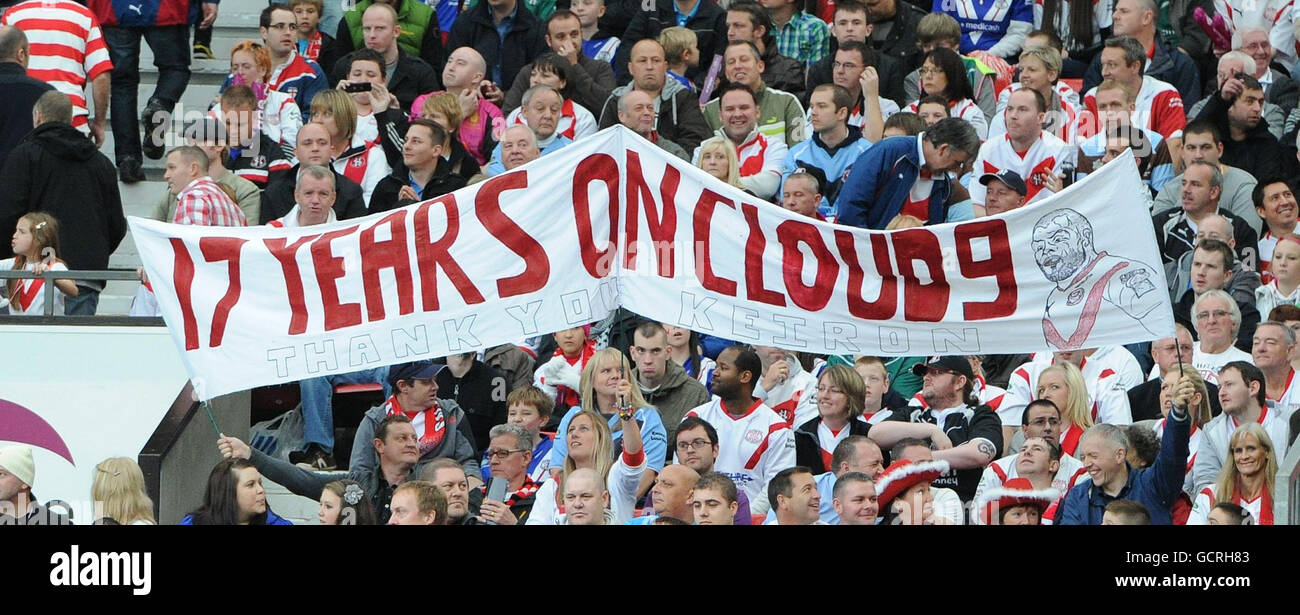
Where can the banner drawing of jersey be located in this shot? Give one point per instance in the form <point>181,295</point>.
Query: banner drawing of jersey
<point>752,448</point>
<point>1158,107</point>
<point>1066,253</point>
<point>1106,394</point>
<point>1046,156</point>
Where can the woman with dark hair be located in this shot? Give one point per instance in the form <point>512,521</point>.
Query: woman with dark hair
<point>575,121</point>
<point>943,74</point>
<point>234,496</point>
<point>344,502</point>
<point>684,350</point>
<point>1078,23</point>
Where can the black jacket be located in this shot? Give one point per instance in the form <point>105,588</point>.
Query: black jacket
<point>680,119</point>
<point>900,43</point>
<point>278,200</point>
<point>1144,399</point>
<point>1258,154</point>
<point>891,81</point>
<point>16,105</point>
<point>709,24</point>
<point>412,77</point>
<point>481,393</point>
<point>974,423</point>
<point>57,170</point>
<point>1169,65</point>
<point>807,449</point>
<point>385,198</point>
<point>783,73</point>
<point>525,41</point>
<point>589,84</point>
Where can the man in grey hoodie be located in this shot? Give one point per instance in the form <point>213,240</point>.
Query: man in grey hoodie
<point>664,384</point>
<point>440,424</point>
<point>679,116</point>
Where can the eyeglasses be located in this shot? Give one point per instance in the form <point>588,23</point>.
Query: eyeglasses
<point>822,390</point>
<point>1217,314</point>
<point>845,66</point>
<point>926,70</point>
<point>292,27</point>
<point>494,453</point>
<point>698,443</point>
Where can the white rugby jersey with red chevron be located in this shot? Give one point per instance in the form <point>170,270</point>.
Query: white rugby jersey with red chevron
<point>999,472</point>
<point>1045,156</point>
<point>752,447</point>
<point>795,399</point>
<point>1106,394</point>
<point>1158,107</point>
<point>67,49</point>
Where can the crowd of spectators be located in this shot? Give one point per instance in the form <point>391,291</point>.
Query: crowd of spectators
<point>882,114</point>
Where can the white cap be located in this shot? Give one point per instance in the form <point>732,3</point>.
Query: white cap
<point>17,459</point>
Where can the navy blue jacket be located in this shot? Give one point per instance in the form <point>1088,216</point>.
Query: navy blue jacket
<point>878,185</point>
<point>1156,487</point>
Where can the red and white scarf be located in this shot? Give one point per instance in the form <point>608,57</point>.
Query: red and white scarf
<point>430,425</point>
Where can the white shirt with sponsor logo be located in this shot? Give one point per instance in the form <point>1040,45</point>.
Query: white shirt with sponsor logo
<point>1045,156</point>
<point>1209,364</point>
<point>752,447</point>
<point>1158,107</point>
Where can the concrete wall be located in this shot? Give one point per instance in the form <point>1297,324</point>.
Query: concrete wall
<point>186,465</point>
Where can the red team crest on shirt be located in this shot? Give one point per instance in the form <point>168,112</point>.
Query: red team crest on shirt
<point>357,162</point>
<point>1066,252</point>
<point>753,436</point>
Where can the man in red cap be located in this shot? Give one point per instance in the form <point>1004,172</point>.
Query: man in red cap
<point>965,433</point>
<point>903,491</point>
<point>1015,503</point>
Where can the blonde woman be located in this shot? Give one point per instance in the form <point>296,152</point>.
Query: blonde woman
<point>1063,385</point>
<point>1247,481</point>
<point>1200,413</point>
<point>607,388</point>
<point>590,445</point>
<point>118,487</point>
<point>718,158</point>
<point>361,161</point>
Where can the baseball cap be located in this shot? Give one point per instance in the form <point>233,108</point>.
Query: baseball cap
<point>952,363</point>
<point>1008,177</point>
<point>414,370</point>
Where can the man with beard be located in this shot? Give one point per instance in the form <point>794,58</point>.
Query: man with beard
<point>1064,248</point>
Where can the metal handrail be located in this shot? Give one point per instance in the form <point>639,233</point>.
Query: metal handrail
<point>71,274</point>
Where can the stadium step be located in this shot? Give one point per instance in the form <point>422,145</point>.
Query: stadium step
<point>236,21</point>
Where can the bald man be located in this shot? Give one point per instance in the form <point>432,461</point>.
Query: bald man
<point>313,148</point>
<point>417,34</point>
<point>463,76</point>
<point>20,90</point>
<point>671,495</point>
<point>586,501</point>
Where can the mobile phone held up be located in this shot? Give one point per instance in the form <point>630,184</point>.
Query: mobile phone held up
<point>360,86</point>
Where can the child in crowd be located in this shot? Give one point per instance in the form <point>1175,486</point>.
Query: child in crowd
<point>310,39</point>
<point>596,44</point>
<point>531,409</point>
<point>684,350</point>
<point>559,376</point>
<point>36,247</point>
<point>1284,288</point>
<point>682,52</point>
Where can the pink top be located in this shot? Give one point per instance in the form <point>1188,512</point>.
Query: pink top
<point>473,130</point>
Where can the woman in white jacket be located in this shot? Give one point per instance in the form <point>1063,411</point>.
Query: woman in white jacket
<point>1284,288</point>
<point>591,446</point>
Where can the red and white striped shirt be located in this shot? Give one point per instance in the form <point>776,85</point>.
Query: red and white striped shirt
<point>204,203</point>
<point>67,49</point>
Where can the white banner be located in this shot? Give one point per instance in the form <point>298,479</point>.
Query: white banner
<point>612,220</point>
